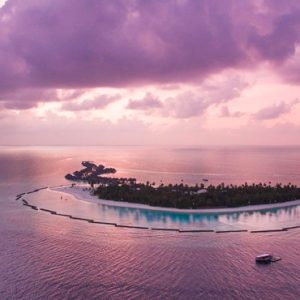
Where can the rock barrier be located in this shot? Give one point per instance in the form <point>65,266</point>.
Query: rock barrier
<point>104,223</point>
<point>42,188</point>
<point>140,227</point>
<point>165,229</point>
<point>31,206</point>
<point>228,231</point>
<point>79,219</point>
<point>49,211</point>
<point>196,230</point>
<point>20,195</point>
<point>291,227</point>
<point>270,230</point>
<point>129,226</point>
<point>63,215</point>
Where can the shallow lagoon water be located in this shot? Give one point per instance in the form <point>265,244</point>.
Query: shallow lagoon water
<point>265,219</point>
<point>48,257</point>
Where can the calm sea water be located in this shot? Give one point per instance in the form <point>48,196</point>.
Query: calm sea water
<point>47,257</point>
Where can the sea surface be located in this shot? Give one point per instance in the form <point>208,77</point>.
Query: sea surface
<point>49,257</point>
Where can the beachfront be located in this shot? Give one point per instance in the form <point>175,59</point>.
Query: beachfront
<point>83,193</point>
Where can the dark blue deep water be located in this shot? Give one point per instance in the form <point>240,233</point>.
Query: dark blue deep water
<point>48,257</point>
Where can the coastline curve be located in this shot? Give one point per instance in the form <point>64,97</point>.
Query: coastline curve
<point>83,195</point>
<point>178,230</point>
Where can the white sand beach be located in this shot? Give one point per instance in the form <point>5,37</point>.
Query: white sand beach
<point>82,193</point>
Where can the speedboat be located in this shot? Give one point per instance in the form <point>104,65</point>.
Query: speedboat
<point>264,258</point>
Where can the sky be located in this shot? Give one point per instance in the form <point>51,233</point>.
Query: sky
<point>137,72</point>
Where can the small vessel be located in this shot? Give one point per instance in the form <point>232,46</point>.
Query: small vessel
<point>264,258</point>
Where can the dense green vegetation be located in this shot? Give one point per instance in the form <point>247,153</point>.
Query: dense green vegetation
<point>91,173</point>
<point>180,195</point>
<point>184,196</point>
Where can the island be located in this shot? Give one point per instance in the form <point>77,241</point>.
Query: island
<point>92,174</point>
<point>180,196</point>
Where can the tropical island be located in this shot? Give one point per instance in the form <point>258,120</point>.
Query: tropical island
<point>91,173</point>
<point>180,196</point>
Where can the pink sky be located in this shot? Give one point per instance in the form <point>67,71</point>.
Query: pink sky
<point>149,72</point>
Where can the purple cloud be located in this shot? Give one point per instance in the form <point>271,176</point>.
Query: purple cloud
<point>186,105</point>
<point>225,90</point>
<point>98,103</point>
<point>78,44</point>
<point>226,113</point>
<point>26,98</point>
<point>291,69</point>
<point>275,111</point>
<point>190,104</point>
<point>21,99</point>
<point>182,106</point>
<point>147,103</point>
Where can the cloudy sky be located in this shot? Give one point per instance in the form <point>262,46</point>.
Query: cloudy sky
<point>149,72</point>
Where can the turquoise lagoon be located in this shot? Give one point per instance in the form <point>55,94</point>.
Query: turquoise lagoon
<point>259,219</point>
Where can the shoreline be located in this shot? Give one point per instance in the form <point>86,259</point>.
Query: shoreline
<point>78,193</point>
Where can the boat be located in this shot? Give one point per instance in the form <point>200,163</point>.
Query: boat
<point>264,258</point>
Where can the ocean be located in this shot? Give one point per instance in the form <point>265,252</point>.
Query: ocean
<point>48,257</point>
